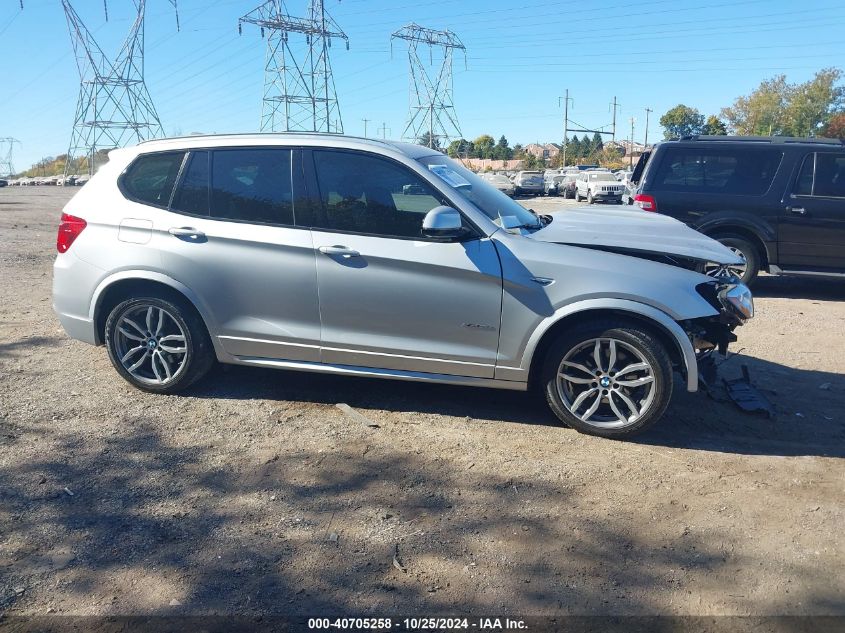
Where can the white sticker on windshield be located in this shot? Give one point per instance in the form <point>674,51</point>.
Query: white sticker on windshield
<point>452,178</point>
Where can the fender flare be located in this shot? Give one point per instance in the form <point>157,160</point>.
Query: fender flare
<point>151,275</point>
<point>658,317</point>
<point>758,227</point>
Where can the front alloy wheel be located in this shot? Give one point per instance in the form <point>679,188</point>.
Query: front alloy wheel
<point>609,379</point>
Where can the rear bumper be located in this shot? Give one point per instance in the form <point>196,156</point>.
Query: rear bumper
<point>77,327</point>
<point>74,281</point>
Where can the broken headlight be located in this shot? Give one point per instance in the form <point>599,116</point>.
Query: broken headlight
<point>736,298</point>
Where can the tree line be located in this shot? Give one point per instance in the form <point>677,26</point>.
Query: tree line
<point>775,108</point>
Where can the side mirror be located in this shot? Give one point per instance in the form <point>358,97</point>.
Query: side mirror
<point>443,223</point>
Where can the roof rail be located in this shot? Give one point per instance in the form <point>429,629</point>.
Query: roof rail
<point>765,139</point>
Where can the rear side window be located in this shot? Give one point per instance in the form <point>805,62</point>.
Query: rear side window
<point>252,185</point>
<point>151,177</point>
<point>192,192</point>
<point>822,175</point>
<point>747,172</point>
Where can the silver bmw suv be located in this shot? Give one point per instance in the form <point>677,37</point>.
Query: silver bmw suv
<point>352,256</point>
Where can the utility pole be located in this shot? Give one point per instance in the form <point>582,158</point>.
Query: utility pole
<point>614,105</point>
<point>631,152</point>
<point>365,126</point>
<point>647,112</point>
<point>431,109</point>
<point>384,129</point>
<point>566,101</point>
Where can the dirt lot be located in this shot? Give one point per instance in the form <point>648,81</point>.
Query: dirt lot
<point>254,493</point>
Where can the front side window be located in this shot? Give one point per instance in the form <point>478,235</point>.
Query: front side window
<point>252,185</point>
<point>151,177</point>
<point>360,193</point>
<point>728,171</point>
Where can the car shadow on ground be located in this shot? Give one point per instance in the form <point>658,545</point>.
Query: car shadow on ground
<point>813,288</point>
<point>809,406</point>
<point>155,527</point>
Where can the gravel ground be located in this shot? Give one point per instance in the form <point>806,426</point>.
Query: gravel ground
<point>255,493</point>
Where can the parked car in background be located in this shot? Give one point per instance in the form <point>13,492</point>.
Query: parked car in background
<point>302,252</point>
<point>81,180</point>
<point>4,182</point>
<point>500,182</point>
<point>566,187</point>
<point>528,182</point>
<point>598,186</point>
<point>779,203</point>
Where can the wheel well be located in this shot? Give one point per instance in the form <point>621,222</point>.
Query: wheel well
<point>748,234</point>
<point>573,320</point>
<point>126,288</point>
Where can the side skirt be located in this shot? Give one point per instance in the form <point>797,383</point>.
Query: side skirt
<point>372,372</point>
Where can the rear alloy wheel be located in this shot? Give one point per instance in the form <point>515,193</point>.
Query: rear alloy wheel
<point>747,271</point>
<point>608,379</point>
<point>157,345</point>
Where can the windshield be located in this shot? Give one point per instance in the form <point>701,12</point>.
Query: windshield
<point>489,200</point>
<point>602,176</point>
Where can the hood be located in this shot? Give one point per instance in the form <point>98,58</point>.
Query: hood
<point>632,232</point>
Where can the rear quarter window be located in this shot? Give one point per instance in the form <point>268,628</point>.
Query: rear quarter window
<point>732,171</point>
<point>150,178</point>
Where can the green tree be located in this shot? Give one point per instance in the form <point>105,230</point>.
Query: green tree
<point>597,142</point>
<point>573,150</point>
<point>810,105</point>
<point>429,140</point>
<point>484,145</point>
<point>760,113</point>
<point>681,120</point>
<point>714,126</point>
<point>502,151</point>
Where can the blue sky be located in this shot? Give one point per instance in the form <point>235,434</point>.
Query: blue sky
<point>521,56</point>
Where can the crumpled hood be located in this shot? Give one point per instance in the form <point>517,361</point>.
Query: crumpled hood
<point>635,231</point>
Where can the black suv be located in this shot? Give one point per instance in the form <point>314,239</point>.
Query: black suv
<point>779,202</point>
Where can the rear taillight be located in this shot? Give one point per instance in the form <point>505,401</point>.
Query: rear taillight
<point>645,202</point>
<point>69,229</point>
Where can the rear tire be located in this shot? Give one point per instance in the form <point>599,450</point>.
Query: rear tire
<point>158,345</point>
<point>623,394</point>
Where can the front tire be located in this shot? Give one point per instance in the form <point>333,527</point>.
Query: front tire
<point>611,378</point>
<point>590,199</point>
<point>158,345</point>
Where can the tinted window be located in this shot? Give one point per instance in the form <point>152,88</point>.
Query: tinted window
<point>830,175</point>
<point>728,171</point>
<point>804,184</point>
<point>252,185</point>
<point>366,194</point>
<point>150,178</point>
<point>192,192</point>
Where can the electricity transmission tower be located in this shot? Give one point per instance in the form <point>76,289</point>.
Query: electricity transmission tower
<point>114,106</point>
<point>7,168</point>
<point>431,113</point>
<point>299,91</point>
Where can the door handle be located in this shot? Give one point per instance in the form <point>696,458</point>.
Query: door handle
<point>344,251</point>
<point>186,231</point>
<point>797,210</point>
